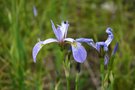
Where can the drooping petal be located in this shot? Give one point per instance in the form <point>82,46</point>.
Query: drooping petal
<point>79,52</point>
<point>39,45</point>
<point>64,28</point>
<point>50,40</point>
<point>57,32</point>
<point>36,49</point>
<point>86,40</point>
<point>110,36</point>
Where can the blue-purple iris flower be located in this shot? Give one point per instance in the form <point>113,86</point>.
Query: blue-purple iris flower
<point>105,44</point>
<point>78,51</point>
<point>100,44</point>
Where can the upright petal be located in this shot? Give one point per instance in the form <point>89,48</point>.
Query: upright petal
<point>79,52</point>
<point>64,28</point>
<point>57,31</point>
<point>39,45</point>
<point>110,36</point>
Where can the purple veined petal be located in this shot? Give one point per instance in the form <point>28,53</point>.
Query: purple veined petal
<point>105,47</point>
<point>79,52</point>
<point>36,49</point>
<point>69,40</point>
<point>57,32</point>
<point>87,40</point>
<point>64,28</point>
<point>97,47</point>
<point>39,45</point>
<point>110,36</point>
<point>99,44</point>
<point>106,59</point>
<point>115,48</point>
<point>50,40</point>
<point>109,30</point>
<point>35,11</point>
<point>103,44</point>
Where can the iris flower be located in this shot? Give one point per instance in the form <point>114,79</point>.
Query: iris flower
<point>78,51</point>
<point>105,44</point>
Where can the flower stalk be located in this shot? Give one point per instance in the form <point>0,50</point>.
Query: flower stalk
<point>76,81</point>
<point>66,64</point>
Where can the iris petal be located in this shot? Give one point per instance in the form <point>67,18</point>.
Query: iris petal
<point>69,40</point>
<point>86,40</point>
<point>79,52</point>
<point>110,36</point>
<point>50,40</point>
<point>39,45</point>
<point>64,28</point>
<point>36,49</point>
<point>57,31</point>
<point>99,44</point>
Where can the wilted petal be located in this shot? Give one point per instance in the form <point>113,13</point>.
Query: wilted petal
<point>86,40</point>
<point>39,45</point>
<point>57,31</point>
<point>110,36</point>
<point>79,52</point>
<point>115,48</point>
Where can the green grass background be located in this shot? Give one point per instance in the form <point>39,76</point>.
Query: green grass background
<point>20,31</point>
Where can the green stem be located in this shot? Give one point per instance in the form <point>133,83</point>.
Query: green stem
<point>102,73</point>
<point>76,81</point>
<point>67,70</point>
<point>68,83</point>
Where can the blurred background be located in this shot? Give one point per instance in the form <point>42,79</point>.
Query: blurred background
<point>20,29</point>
